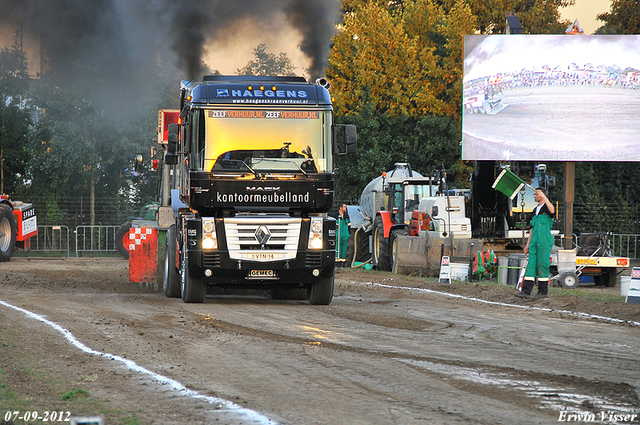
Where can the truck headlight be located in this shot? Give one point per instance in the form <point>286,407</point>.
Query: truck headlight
<point>315,233</point>
<point>209,237</point>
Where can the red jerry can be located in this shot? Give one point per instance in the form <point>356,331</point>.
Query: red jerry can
<point>143,252</point>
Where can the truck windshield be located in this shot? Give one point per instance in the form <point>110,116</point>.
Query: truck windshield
<point>262,140</point>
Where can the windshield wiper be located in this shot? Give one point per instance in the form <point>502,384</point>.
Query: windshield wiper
<point>234,161</point>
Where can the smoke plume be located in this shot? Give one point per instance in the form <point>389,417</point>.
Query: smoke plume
<point>120,48</point>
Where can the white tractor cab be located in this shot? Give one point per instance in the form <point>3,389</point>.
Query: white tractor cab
<point>442,216</point>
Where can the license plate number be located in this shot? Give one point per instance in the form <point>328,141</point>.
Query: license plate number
<point>262,273</point>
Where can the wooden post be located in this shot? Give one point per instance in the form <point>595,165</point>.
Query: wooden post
<point>569,195</point>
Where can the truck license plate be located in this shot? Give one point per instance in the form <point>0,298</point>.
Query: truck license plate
<point>262,273</point>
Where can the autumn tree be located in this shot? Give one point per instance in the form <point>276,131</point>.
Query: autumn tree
<point>396,72</point>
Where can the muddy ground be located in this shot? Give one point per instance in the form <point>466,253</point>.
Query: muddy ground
<point>389,349</point>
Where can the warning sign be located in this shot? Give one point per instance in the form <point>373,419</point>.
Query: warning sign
<point>445,270</point>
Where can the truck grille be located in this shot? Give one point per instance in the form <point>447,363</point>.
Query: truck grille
<point>279,237</point>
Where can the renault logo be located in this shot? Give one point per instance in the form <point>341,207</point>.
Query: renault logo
<point>262,235</point>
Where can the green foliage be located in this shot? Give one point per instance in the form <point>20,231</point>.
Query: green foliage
<point>74,395</point>
<point>15,117</point>
<point>266,63</point>
<point>623,18</point>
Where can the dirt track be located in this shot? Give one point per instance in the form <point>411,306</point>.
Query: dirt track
<point>376,355</point>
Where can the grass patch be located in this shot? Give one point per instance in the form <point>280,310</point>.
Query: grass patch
<point>29,381</point>
<point>75,394</point>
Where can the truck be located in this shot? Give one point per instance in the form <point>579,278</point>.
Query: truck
<point>18,223</point>
<point>250,181</point>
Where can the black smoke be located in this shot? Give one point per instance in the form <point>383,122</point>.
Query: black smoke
<point>119,49</point>
<point>126,36</point>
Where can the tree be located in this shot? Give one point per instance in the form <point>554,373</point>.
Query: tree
<point>15,116</point>
<point>396,72</point>
<point>623,18</point>
<point>267,63</point>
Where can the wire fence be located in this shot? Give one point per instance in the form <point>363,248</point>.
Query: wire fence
<point>72,227</point>
<point>81,211</point>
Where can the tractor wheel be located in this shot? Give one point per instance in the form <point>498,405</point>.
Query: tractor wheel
<point>122,240</point>
<point>381,254</point>
<point>7,233</point>
<point>350,250</point>
<point>394,244</point>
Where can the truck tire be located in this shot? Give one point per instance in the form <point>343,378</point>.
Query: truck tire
<point>7,233</point>
<point>569,280</point>
<point>381,254</point>
<point>192,289</point>
<point>321,293</point>
<point>122,240</point>
<point>393,242</point>
<point>171,277</point>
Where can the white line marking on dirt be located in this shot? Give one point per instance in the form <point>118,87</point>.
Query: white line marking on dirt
<point>230,406</point>
<point>526,307</point>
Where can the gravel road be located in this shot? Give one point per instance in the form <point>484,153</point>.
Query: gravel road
<point>388,350</point>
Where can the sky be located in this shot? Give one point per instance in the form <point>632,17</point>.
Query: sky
<point>495,54</point>
<point>585,11</point>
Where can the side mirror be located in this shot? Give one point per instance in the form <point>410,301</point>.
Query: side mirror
<point>173,138</point>
<point>344,137</point>
<point>351,139</point>
<point>434,211</point>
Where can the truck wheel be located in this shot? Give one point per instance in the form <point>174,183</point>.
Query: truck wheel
<point>569,280</point>
<point>122,240</point>
<point>321,293</point>
<point>381,255</point>
<point>7,233</point>
<point>192,288</point>
<point>394,244</point>
<point>171,277</point>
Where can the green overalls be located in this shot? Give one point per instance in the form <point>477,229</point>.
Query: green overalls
<point>540,247</point>
<point>343,236</point>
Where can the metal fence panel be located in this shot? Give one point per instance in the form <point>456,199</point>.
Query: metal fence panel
<point>51,239</point>
<point>625,245</point>
<point>95,239</point>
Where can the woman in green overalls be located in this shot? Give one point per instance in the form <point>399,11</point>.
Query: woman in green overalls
<point>539,247</point>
